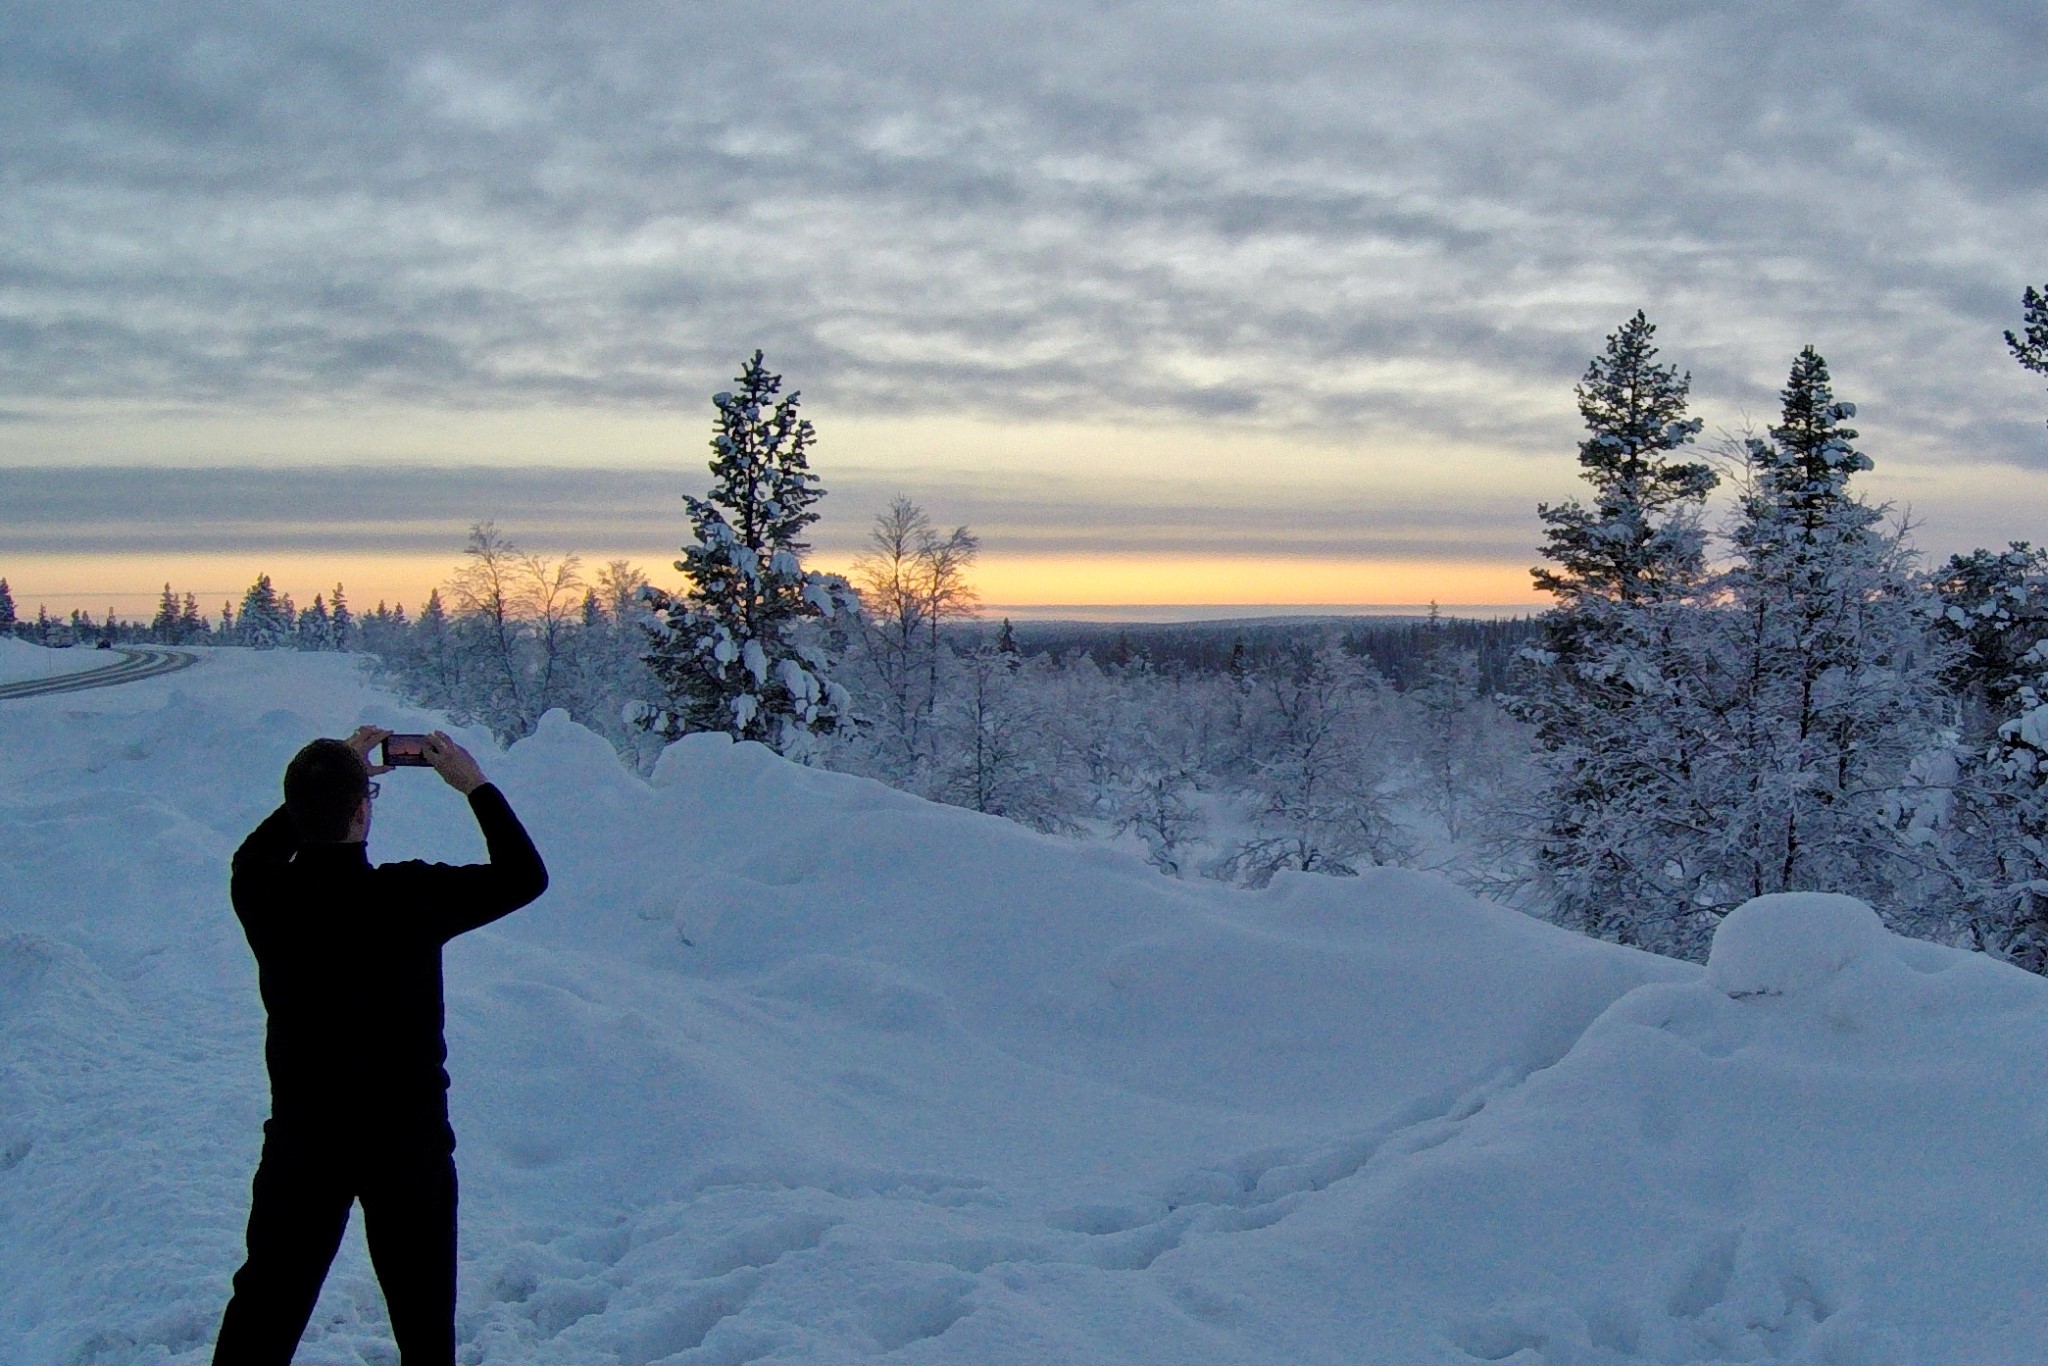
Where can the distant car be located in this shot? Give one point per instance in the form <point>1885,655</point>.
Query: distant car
<point>105,645</point>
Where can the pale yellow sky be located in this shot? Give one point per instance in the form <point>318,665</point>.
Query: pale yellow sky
<point>1040,495</point>
<point>1084,515</point>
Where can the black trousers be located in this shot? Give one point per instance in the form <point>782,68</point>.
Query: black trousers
<point>298,1209</point>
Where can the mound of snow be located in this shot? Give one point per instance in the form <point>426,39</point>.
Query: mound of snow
<point>788,1065</point>
<point>1791,942</point>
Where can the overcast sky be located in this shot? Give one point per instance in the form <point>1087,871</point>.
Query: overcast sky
<point>1311,281</point>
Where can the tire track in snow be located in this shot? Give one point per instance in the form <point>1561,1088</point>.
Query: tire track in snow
<point>134,666</point>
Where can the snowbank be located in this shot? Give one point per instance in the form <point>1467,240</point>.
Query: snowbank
<point>790,1065</point>
<point>21,662</point>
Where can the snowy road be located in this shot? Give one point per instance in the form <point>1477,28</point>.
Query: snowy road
<point>133,666</point>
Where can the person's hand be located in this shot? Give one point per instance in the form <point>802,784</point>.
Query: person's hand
<point>453,763</point>
<point>365,739</point>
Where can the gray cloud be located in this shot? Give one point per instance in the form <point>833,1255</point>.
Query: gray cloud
<point>1272,216</point>
<point>371,510</point>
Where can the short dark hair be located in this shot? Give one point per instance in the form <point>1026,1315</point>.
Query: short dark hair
<point>323,785</point>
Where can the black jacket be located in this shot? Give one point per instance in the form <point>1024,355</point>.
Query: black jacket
<point>348,956</point>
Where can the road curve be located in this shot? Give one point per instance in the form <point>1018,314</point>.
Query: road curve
<point>133,666</point>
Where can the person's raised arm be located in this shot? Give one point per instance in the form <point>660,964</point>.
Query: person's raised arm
<point>270,845</point>
<point>514,876</point>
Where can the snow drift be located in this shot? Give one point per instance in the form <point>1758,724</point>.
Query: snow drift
<point>791,1066</point>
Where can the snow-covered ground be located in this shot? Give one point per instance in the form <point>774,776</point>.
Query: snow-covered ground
<point>21,662</point>
<point>789,1066</point>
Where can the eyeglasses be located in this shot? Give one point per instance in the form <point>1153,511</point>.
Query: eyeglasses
<point>373,791</point>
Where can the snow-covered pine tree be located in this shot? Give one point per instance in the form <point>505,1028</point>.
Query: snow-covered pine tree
<point>164,626</point>
<point>1995,829</point>
<point>1999,828</point>
<point>191,625</point>
<point>1827,675</point>
<point>262,621</point>
<point>383,632</point>
<point>9,623</point>
<point>1637,542</point>
<point>315,627</point>
<point>1600,688</point>
<point>730,652</point>
<point>341,623</point>
<point>431,661</point>
<point>1994,611</point>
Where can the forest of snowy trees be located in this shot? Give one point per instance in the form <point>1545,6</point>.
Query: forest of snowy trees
<point>1749,682</point>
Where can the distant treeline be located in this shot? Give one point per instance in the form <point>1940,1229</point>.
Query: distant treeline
<point>1398,648</point>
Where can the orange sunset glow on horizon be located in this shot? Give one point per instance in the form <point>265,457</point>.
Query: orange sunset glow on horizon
<point>1019,585</point>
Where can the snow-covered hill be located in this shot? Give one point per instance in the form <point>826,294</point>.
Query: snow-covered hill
<point>789,1066</point>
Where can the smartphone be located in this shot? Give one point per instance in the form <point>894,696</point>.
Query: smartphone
<point>405,751</point>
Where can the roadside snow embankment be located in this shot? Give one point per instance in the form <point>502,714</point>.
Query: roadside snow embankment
<point>789,1065</point>
<point>21,662</point>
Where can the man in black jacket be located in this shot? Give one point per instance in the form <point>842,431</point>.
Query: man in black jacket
<point>348,959</point>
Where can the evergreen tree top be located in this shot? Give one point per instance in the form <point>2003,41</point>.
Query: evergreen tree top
<point>2031,348</point>
<point>760,464</point>
<point>1806,464</point>
<point>1633,409</point>
<point>1635,541</point>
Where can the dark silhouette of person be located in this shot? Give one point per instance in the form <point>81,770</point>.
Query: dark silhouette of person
<point>348,959</point>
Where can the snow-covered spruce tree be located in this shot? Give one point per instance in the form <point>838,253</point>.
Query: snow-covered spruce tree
<point>731,651</point>
<point>264,621</point>
<point>10,624</point>
<point>163,627</point>
<point>1601,689</point>
<point>1999,829</point>
<point>1994,616</point>
<point>1636,543</point>
<point>191,625</point>
<point>1827,684</point>
<point>315,628</point>
<point>1994,611</point>
<point>341,622</point>
<point>431,663</point>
